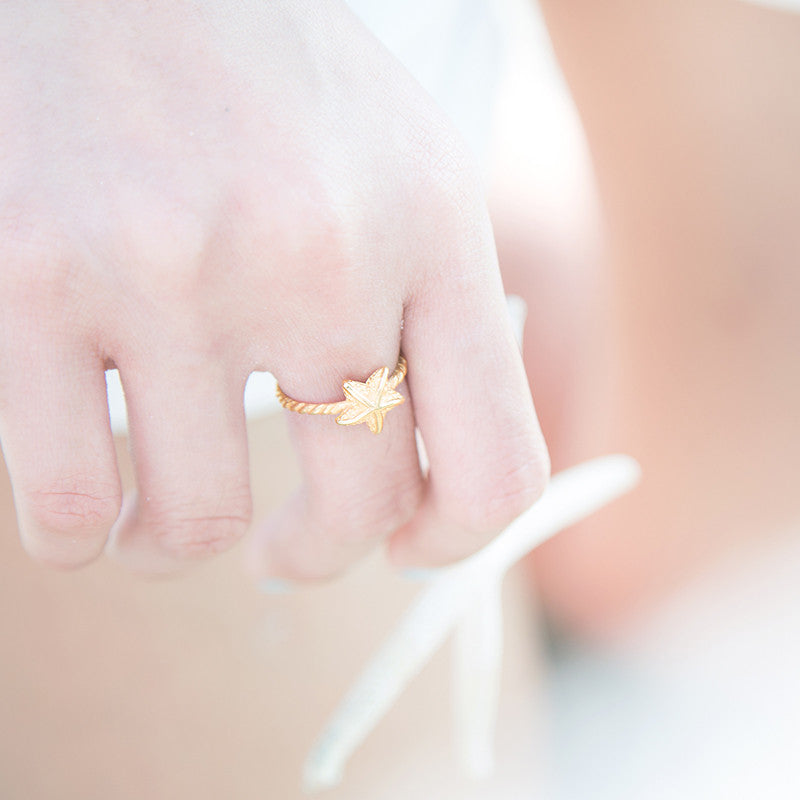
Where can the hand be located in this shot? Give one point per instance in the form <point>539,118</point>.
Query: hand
<point>190,193</point>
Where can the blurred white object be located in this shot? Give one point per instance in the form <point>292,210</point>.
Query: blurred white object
<point>785,5</point>
<point>476,677</point>
<point>450,600</point>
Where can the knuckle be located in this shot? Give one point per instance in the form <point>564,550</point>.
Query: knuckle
<point>75,509</point>
<point>23,231</point>
<point>31,246</point>
<point>166,241</point>
<point>516,493</point>
<point>306,221</point>
<point>323,240</point>
<point>324,246</point>
<point>498,501</point>
<point>189,533</point>
<point>377,512</point>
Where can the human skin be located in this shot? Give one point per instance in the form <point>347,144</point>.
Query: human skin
<point>191,192</point>
<point>200,687</point>
<point>692,366</point>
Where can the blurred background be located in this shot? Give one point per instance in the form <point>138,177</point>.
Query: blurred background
<point>642,165</point>
<point>673,615</point>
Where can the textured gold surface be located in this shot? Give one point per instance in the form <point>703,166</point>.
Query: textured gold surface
<point>364,402</point>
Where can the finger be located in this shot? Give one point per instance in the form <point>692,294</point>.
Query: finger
<point>189,447</point>
<point>358,487</point>
<point>488,460</point>
<point>59,450</point>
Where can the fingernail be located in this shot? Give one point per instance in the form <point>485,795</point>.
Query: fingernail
<point>419,575</point>
<point>275,586</point>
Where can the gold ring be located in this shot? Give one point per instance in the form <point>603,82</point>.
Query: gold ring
<point>364,402</point>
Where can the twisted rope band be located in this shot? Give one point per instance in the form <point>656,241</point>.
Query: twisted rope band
<point>364,402</point>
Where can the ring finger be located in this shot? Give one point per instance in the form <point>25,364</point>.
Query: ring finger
<point>358,487</point>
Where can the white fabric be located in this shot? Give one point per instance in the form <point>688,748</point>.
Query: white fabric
<point>452,47</point>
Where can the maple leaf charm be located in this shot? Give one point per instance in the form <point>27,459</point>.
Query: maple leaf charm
<point>369,401</point>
